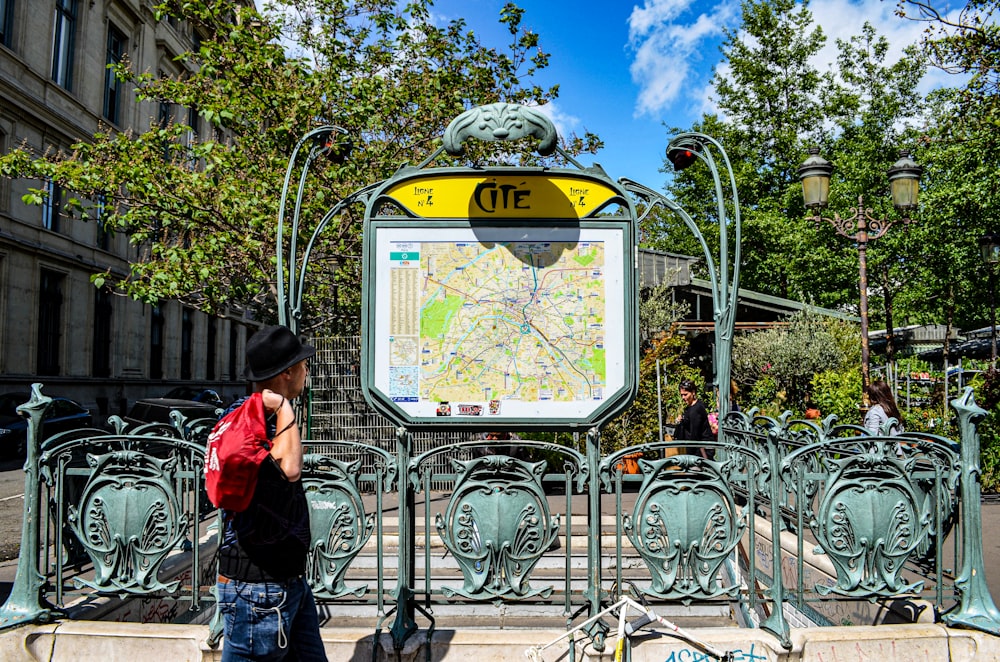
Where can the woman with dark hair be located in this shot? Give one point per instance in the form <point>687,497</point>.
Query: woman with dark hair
<point>883,407</point>
<point>693,423</point>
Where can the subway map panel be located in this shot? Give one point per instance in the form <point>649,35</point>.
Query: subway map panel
<point>475,327</point>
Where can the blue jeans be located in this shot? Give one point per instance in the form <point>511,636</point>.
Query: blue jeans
<point>270,621</point>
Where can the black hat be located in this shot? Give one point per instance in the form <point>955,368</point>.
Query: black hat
<point>272,350</point>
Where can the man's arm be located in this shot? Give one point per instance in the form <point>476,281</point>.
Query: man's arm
<point>286,447</point>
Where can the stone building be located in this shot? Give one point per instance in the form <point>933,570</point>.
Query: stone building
<point>55,327</point>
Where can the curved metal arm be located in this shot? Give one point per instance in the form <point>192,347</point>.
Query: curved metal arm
<point>697,141</point>
<point>861,226</point>
<point>294,304</point>
<point>320,136</point>
<point>724,291</point>
<point>652,198</point>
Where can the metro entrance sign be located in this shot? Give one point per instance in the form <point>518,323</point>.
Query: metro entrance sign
<point>499,298</point>
<point>529,194</point>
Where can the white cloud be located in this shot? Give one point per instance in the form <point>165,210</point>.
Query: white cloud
<point>655,13</point>
<point>565,123</point>
<point>675,44</point>
<point>843,19</point>
<point>669,42</point>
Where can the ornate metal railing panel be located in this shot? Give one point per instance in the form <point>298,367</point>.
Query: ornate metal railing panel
<point>106,514</point>
<point>341,524</point>
<point>686,520</point>
<point>876,507</point>
<point>498,521</point>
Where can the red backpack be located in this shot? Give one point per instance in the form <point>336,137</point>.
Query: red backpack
<point>236,446</point>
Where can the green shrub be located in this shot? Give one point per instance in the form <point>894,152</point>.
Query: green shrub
<point>838,392</point>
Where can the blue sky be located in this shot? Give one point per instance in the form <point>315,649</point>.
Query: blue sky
<point>626,69</point>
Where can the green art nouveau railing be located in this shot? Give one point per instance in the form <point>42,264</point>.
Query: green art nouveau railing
<point>121,516</point>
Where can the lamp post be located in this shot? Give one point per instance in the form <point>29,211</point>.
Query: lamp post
<point>723,272</point>
<point>989,246</point>
<point>324,143</point>
<point>861,226</point>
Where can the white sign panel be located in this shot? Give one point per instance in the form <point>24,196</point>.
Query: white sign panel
<point>499,323</point>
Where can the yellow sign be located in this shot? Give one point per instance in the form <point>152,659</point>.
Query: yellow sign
<point>501,196</point>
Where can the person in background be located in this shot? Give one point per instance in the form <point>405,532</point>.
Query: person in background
<point>883,407</point>
<point>713,418</point>
<point>734,390</point>
<point>692,425</point>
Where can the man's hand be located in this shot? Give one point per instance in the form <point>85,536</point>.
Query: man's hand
<point>272,401</point>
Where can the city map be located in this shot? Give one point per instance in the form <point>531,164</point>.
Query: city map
<point>481,324</point>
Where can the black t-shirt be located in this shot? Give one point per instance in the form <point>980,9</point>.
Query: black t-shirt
<point>694,424</point>
<point>270,539</point>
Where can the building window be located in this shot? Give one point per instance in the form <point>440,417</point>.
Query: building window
<point>166,114</point>
<point>210,345</point>
<point>62,43</point>
<point>105,232</point>
<point>101,366</point>
<point>187,330</point>
<point>49,322</point>
<point>193,134</point>
<point>6,22</point>
<point>156,323</point>
<point>52,206</point>
<point>234,338</point>
<point>112,85</point>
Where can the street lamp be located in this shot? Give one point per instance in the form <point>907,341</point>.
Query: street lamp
<point>335,144</point>
<point>862,227</point>
<point>724,272</point>
<point>989,245</point>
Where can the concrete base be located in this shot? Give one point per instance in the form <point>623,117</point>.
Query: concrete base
<point>85,641</point>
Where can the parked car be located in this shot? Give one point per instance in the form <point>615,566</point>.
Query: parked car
<point>206,395</point>
<point>10,401</point>
<point>62,414</point>
<point>157,410</point>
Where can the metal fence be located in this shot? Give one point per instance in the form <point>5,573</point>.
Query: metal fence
<point>781,521</point>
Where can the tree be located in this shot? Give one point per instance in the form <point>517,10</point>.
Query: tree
<point>966,43</point>
<point>961,144</point>
<point>768,101</point>
<point>781,363</point>
<point>203,213</point>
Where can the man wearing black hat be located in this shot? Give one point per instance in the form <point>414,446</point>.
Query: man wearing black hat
<point>269,610</point>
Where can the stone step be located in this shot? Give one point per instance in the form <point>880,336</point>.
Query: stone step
<point>521,616</point>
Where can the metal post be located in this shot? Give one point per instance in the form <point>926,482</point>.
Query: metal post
<point>993,317</point>
<point>776,623</point>
<point>976,608</point>
<point>594,592</point>
<point>907,392</point>
<point>862,239</point>
<point>862,227</point>
<point>659,401</point>
<point>25,603</point>
<point>405,624</point>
